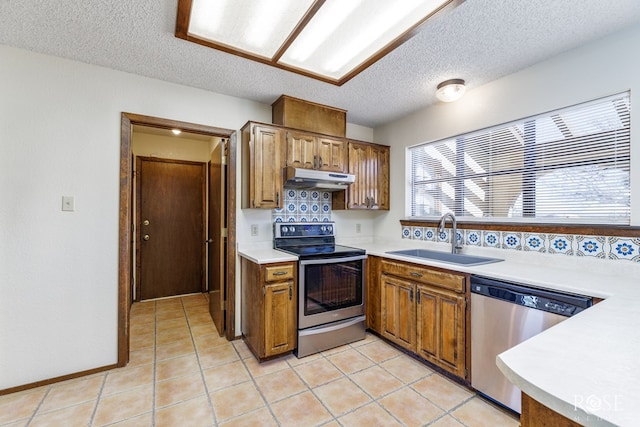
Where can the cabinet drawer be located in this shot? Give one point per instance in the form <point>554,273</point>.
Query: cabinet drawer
<point>278,272</point>
<point>422,274</point>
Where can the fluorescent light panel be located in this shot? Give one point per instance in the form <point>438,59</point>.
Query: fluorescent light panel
<point>340,37</point>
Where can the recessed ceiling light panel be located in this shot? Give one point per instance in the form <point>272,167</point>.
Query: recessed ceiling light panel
<point>331,40</point>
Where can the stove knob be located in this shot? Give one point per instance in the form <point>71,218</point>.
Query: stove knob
<point>292,228</point>
<point>329,228</point>
<point>284,229</point>
<point>323,228</point>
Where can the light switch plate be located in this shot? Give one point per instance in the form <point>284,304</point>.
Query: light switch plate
<point>68,204</point>
<point>254,229</point>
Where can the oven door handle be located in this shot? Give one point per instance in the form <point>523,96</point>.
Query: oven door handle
<point>332,260</point>
<point>333,327</point>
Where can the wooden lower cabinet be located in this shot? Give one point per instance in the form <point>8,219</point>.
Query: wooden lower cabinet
<point>399,311</point>
<point>535,414</point>
<point>420,312</point>
<point>441,329</point>
<point>269,307</point>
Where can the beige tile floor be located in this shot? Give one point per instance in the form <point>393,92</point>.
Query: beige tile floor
<point>182,373</point>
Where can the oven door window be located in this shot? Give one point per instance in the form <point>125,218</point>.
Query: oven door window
<point>332,286</point>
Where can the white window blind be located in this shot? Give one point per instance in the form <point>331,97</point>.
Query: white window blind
<point>570,165</point>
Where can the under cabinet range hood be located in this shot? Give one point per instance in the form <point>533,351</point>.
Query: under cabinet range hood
<point>310,178</point>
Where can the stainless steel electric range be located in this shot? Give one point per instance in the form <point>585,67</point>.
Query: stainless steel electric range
<point>331,280</point>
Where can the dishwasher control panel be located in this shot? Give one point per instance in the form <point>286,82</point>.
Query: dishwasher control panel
<point>539,299</point>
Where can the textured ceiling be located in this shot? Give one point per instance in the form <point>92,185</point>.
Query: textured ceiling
<point>479,41</point>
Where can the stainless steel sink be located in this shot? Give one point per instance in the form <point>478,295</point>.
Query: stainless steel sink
<point>448,257</point>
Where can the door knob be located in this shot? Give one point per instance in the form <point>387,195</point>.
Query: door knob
<point>209,241</point>
<point>145,237</point>
<point>145,222</point>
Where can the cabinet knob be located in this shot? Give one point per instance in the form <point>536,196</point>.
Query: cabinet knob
<point>145,237</point>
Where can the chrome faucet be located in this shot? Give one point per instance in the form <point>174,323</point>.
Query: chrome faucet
<point>454,231</point>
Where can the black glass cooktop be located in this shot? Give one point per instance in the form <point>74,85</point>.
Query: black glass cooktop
<point>322,251</point>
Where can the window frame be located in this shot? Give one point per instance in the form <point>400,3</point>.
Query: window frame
<point>527,222</point>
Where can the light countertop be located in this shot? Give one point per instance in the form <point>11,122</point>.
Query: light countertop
<point>586,368</point>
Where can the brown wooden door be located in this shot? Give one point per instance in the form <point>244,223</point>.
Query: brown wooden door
<point>379,177</point>
<point>280,318</point>
<point>266,167</point>
<point>441,329</point>
<point>217,240</point>
<point>332,154</point>
<point>358,165</point>
<point>301,150</point>
<point>398,311</point>
<point>170,227</point>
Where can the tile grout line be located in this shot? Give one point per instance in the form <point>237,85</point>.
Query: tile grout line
<point>35,411</point>
<point>95,408</point>
<point>202,377</point>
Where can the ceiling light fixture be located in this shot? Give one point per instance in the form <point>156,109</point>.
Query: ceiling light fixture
<point>451,90</point>
<point>329,40</point>
<point>176,131</point>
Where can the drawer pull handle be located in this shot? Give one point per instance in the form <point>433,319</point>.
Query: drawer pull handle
<point>279,273</point>
<point>414,274</point>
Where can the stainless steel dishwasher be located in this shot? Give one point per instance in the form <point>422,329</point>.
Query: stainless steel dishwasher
<point>503,315</point>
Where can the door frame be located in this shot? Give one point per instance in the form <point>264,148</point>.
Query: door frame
<point>138,234</point>
<point>125,232</point>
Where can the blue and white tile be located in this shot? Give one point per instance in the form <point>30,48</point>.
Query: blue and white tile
<point>315,195</point>
<point>429,234</point>
<point>326,218</point>
<point>417,233</point>
<point>534,242</point>
<point>560,244</point>
<point>292,218</point>
<point>326,195</point>
<point>473,238</point>
<point>303,208</point>
<point>291,207</point>
<point>491,239</point>
<point>290,195</point>
<point>624,248</point>
<point>406,233</point>
<point>459,237</point>
<point>443,236</point>
<point>303,194</point>
<point>511,240</point>
<point>314,207</point>
<point>316,218</point>
<point>278,218</point>
<point>303,218</point>
<point>326,209</point>
<point>593,246</point>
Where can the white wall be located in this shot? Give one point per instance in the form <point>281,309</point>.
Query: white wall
<point>601,68</point>
<point>60,135</point>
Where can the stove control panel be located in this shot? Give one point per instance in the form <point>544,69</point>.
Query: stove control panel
<point>304,229</point>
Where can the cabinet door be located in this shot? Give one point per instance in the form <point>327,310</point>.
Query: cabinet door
<point>441,329</point>
<point>267,151</point>
<point>301,150</point>
<point>280,318</point>
<point>358,192</point>
<point>398,311</point>
<point>379,177</point>
<point>332,154</point>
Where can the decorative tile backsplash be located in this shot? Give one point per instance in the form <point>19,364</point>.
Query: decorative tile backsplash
<point>304,206</point>
<point>612,248</point>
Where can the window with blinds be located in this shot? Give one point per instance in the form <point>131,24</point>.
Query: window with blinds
<point>569,166</point>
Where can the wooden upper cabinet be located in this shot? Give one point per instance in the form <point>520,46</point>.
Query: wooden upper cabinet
<point>263,150</point>
<point>301,150</point>
<point>310,151</point>
<point>332,154</point>
<point>370,164</point>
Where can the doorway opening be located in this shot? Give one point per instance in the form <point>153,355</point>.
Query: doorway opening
<point>224,297</point>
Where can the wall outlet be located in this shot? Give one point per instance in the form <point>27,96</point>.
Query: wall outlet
<point>68,204</point>
<point>358,228</point>
<point>254,229</point>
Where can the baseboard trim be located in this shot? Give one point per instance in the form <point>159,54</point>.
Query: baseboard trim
<point>56,379</point>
